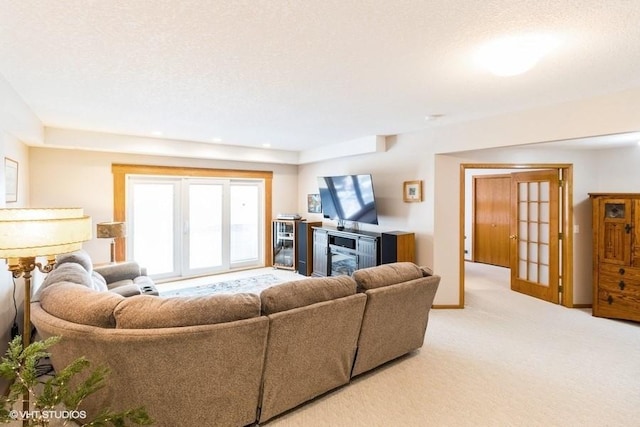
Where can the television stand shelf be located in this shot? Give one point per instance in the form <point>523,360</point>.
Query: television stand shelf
<point>337,252</point>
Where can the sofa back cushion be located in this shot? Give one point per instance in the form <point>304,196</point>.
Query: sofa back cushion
<point>80,257</point>
<point>300,293</point>
<point>67,272</point>
<point>80,304</point>
<point>386,274</point>
<point>149,311</point>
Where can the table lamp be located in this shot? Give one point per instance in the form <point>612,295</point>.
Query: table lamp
<point>113,231</point>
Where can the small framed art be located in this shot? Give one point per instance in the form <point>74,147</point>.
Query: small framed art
<point>412,191</point>
<point>314,205</point>
<point>10,180</point>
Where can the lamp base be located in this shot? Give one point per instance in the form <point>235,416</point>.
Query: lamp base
<point>113,251</point>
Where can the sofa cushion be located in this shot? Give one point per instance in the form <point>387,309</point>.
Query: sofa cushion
<point>127,290</point>
<point>80,304</point>
<point>78,257</point>
<point>119,271</point>
<point>119,283</point>
<point>386,274</point>
<point>300,293</point>
<point>148,311</point>
<point>67,272</point>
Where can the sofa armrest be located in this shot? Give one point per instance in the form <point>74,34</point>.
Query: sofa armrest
<point>127,290</point>
<point>119,271</point>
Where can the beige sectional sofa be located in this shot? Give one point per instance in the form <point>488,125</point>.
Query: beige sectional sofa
<point>234,360</point>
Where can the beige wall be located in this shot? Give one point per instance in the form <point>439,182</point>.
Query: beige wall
<point>406,159</point>
<point>76,178</point>
<point>17,124</point>
<point>14,149</point>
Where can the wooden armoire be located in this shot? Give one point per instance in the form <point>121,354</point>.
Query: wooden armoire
<point>616,255</point>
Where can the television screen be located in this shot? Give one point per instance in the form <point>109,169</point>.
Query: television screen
<point>348,198</point>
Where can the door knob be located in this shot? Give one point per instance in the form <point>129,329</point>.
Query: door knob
<point>513,236</point>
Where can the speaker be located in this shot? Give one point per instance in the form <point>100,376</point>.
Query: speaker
<point>397,246</point>
<point>304,244</point>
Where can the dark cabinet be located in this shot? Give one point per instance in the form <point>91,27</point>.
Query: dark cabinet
<point>337,252</point>
<point>304,244</point>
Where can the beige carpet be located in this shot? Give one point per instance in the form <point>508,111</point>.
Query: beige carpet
<point>505,360</point>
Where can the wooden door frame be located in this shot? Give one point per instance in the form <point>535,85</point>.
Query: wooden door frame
<point>566,259</point>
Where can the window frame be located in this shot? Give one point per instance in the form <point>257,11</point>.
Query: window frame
<point>120,172</point>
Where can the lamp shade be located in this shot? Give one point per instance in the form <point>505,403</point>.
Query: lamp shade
<point>42,232</point>
<point>111,230</point>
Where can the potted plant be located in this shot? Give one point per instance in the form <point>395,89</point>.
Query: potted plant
<point>55,399</point>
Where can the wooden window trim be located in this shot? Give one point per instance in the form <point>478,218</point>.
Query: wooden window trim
<point>120,172</point>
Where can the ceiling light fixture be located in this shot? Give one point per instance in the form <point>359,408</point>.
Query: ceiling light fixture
<point>216,139</point>
<point>513,55</point>
<point>156,133</point>
<point>266,145</point>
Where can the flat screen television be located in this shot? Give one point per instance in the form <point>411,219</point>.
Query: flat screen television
<point>348,198</point>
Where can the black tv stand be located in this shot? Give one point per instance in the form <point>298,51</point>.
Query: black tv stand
<point>342,251</point>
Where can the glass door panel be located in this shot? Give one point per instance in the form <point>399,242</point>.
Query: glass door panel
<point>153,230</point>
<point>204,227</point>
<point>245,220</point>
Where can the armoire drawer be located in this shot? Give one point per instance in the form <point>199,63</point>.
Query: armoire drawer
<point>619,283</point>
<point>612,302</point>
<point>631,273</point>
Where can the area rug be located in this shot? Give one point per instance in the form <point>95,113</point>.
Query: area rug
<point>254,285</point>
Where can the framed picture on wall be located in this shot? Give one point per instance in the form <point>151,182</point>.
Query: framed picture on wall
<point>313,203</point>
<point>412,191</point>
<point>10,180</point>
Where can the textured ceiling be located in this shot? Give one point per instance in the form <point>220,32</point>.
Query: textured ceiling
<point>299,74</point>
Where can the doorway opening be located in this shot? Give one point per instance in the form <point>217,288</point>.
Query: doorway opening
<point>540,224</point>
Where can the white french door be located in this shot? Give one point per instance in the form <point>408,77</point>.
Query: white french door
<point>180,227</point>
